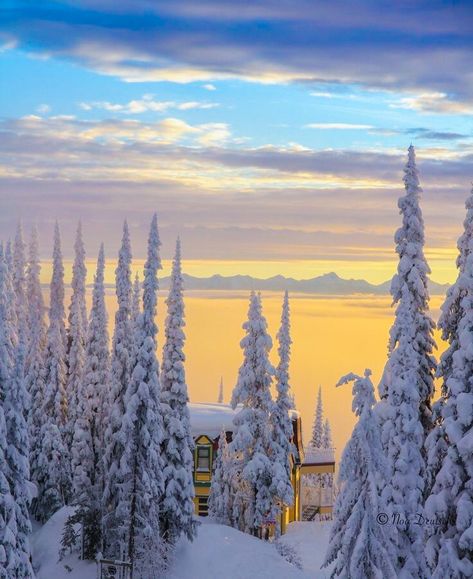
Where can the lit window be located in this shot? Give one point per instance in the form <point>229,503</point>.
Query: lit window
<point>203,458</point>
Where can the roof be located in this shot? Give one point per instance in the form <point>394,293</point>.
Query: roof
<point>211,418</point>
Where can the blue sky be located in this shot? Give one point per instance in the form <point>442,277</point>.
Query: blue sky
<point>270,130</point>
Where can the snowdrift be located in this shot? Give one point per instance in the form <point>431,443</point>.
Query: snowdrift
<point>218,552</point>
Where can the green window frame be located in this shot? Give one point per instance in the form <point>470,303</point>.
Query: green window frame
<point>203,458</point>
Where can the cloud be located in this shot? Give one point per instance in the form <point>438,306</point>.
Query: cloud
<point>437,102</point>
<point>44,108</point>
<point>338,126</point>
<point>423,49</point>
<point>209,86</point>
<point>146,104</point>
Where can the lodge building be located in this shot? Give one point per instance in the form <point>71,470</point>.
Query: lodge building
<point>207,421</point>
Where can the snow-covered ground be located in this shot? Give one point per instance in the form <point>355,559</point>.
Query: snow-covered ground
<point>218,552</point>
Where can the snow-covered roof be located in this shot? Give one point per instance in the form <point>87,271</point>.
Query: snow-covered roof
<point>210,418</point>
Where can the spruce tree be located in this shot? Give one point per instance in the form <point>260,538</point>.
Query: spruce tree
<point>177,508</point>
<point>121,366</point>
<point>52,473</point>
<point>87,443</point>
<point>220,489</point>
<point>360,546</point>
<point>450,504</point>
<point>19,283</point>
<point>34,366</point>
<point>76,336</point>
<point>318,426</point>
<point>252,503</point>
<point>140,478</point>
<point>407,384</point>
<point>220,392</point>
<point>280,421</point>
<point>15,496</point>
<point>136,307</point>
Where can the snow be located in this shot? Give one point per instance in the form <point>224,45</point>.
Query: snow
<point>45,544</point>
<point>218,551</point>
<point>310,540</point>
<point>210,418</point>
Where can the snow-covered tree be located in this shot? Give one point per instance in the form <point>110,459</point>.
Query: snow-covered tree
<point>318,426</point>
<point>140,476</point>
<point>280,421</point>
<point>177,507</point>
<point>35,354</point>
<point>87,485</point>
<point>136,300</point>
<point>15,491</point>
<point>52,472</point>
<point>360,546</point>
<point>251,441</point>
<point>450,545</point>
<point>220,391</point>
<point>327,436</point>
<point>122,348</point>
<point>220,489</point>
<point>407,384</point>
<point>451,312</point>
<point>76,336</point>
<point>19,282</point>
<point>56,307</point>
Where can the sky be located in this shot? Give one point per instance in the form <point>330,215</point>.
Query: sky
<point>270,135</point>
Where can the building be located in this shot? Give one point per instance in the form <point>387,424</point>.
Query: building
<point>207,421</point>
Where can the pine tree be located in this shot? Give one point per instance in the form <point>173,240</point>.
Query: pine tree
<point>177,508</point>
<point>136,308</point>
<point>251,442</point>
<point>87,441</point>
<point>76,336</point>
<point>280,421</point>
<point>34,366</point>
<point>220,489</point>
<point>359,545</point>
<point>121,366</point>
<point>407,384</point>
<point>140,479</point>
<point>318,426</point>
<point>220,392</point>
<point>15,496</point>
<point>327,436</point>
<point>450,545</point>
<point>52,473</point>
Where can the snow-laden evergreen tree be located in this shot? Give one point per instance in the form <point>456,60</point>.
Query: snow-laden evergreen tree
<point>407,385</point>
<point>252,441</point>
<point>318,426</point>
<point>220,489</point>
<point>56,307</point>
<point>19,282</point>
<point>76,336</point>
<point>450,547</point>
<point>121,362</point>
<point>140,476</point>
<point>52,474</point>
<point>220,391</point>
<point>177,507</point>
<point>87,442</point>
<point>280,421</point>
<point>15,490</point>
<point>136,300</point>
<point>16,406</point>
<point>327,436</point>
<point>360,547</point>
<point>451,312</point>
<point>34,366</point>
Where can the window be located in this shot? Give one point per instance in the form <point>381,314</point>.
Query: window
<point>203,458</point>
<point>203,506</point>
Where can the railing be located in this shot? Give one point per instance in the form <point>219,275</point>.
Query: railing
<point>318,455</point>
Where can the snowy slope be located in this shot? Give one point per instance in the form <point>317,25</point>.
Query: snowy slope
<point>218,552</point>
<point>310,540</point>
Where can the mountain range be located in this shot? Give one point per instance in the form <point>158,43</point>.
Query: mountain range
<point>327,284</point>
